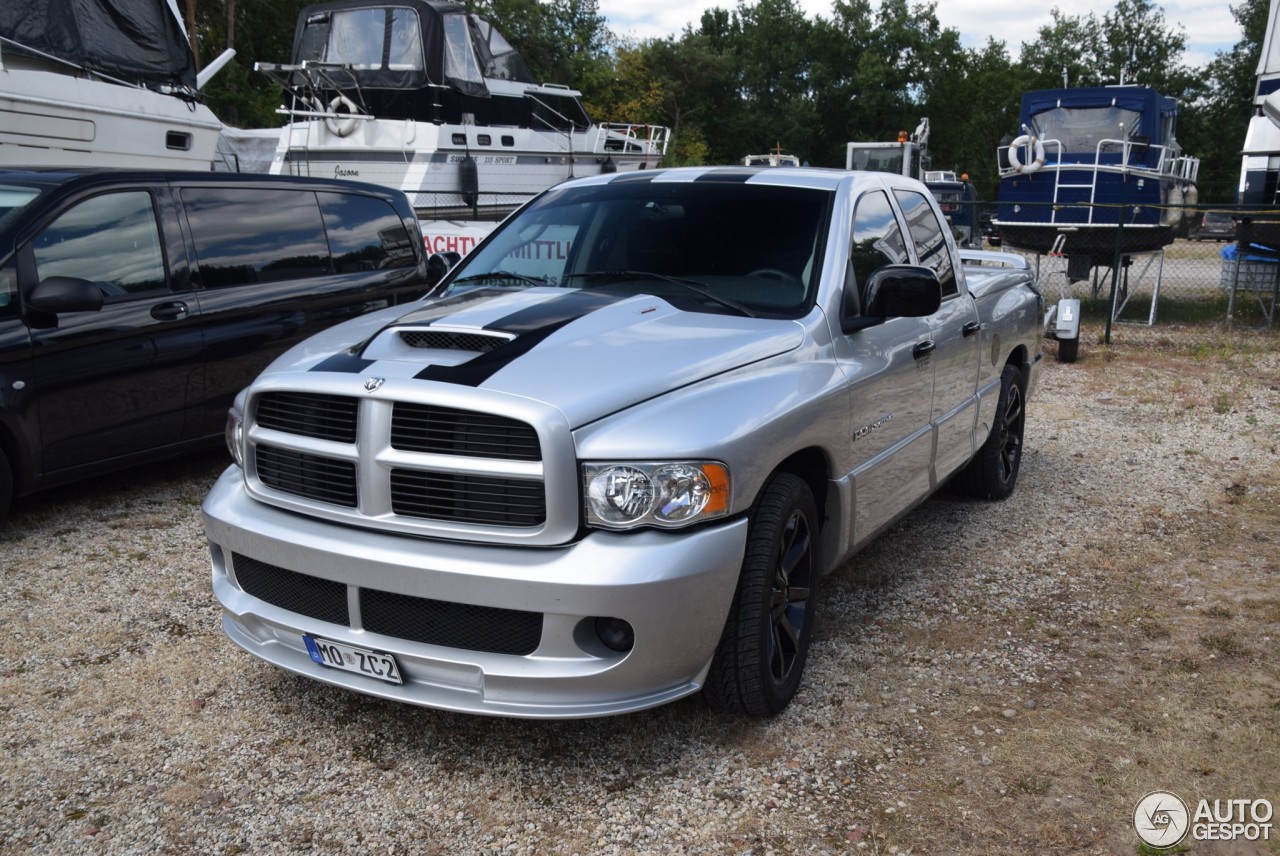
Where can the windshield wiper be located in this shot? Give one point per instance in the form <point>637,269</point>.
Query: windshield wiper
<point>501,274</point>
<point>691,284</point>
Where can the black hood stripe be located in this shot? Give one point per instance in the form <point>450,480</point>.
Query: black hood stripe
<point>566,307</point>
<point>345,363</point>
<point>531,326</point>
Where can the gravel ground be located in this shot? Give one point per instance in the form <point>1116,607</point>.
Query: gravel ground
<point>986,678</point>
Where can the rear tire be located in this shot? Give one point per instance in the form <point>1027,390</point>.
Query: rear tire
<point>993,472</point>
<point>762,652</point>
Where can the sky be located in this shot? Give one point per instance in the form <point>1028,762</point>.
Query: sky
<point>1209,24</point>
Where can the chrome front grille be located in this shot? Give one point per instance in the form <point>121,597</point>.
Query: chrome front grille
<point>325,417</point>
<point>448,431</point>
<point>406,465</point>
<point>309,476</point>
<point>467,499</point>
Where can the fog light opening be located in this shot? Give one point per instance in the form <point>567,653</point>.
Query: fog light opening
<point>616,634</point>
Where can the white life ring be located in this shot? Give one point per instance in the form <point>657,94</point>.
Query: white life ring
<point>1037,150</point>
<point>345,125</point>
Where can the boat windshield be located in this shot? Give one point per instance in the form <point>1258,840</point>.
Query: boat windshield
<point>366,39</point>
<point>1081,129</point>
<point>13,199</point>
<point>745,248</point>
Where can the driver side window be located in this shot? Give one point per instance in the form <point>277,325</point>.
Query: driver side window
<point>111,239</point>
<point>877,239</point>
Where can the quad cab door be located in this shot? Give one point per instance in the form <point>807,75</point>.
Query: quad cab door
<point>890,374</point>
<point>954,331</point>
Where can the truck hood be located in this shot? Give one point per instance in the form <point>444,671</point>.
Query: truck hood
<point>587,353</point>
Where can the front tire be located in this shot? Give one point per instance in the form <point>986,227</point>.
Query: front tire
<point>993,472</point>
<point>765,644</point>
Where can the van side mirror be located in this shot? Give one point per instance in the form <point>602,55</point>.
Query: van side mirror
<point>897,291</point>
<point>439,264</point>
<point>59,294</point>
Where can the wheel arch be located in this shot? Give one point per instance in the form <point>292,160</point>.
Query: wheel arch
<point>813,466</point>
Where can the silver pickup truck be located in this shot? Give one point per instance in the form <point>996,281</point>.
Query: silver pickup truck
<point>606,463</point>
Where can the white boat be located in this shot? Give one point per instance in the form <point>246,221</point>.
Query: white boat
<point>1259,190</point>
<point>425,97</point>
<point>114,86</point>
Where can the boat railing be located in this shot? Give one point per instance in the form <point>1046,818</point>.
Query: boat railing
<point>1110,155</point>
<point>650,139</point>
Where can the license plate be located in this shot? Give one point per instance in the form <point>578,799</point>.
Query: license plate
<point>348,658</point>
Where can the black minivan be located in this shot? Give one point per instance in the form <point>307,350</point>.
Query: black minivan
<point>134,305</point>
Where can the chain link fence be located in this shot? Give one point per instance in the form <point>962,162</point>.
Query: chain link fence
<point>1204,288</point>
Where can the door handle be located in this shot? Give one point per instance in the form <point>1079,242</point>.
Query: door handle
<point>971,328</point>
<point>923,349</point>
<point>173,311</point>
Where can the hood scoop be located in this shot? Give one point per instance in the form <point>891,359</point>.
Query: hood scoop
<point>453,340</point>
<point>434,345</point>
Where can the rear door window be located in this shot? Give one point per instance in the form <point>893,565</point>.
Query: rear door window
<point>365,233</point>
<point>928,236</point>
<point>111,239</point>
<point>877,239</point>
<point>254,235</point>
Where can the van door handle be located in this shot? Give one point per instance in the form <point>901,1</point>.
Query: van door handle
<point>923,349</point>
<point>169,311</point>
<point>971,328</point>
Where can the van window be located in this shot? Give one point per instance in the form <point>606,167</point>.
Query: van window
<point>8,292</point>
<point>255,235</point>
<point>930,239</point>
<point>365,233</point>
<point>111,239</point>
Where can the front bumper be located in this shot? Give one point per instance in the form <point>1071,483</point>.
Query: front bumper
<point>674,589</point>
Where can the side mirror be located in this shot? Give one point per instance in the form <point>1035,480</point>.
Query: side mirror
<point>897,291</point>
<point>59,294</point>
<point>439,264</point>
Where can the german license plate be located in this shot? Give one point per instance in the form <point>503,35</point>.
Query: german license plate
<point>348,658</point>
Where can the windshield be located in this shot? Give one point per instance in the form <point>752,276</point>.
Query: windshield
<point>736,247</point>
<point>878,158</point>
<point>365,39</point>
<point>1081,129</point>
<point>13,199</point>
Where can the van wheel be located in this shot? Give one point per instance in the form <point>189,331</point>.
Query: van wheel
<point>993,472</point>
<point>6,486</point>
<point>758,663</point>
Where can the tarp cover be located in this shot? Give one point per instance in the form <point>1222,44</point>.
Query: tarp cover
<point>140,41</point>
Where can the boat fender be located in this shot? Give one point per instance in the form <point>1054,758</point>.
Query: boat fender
<point>1037,152</point>
<point>342,126</point>
<point>608,167</point>
<point>1172,214</point>
<point>1190,196</point>
<point>469,180</point>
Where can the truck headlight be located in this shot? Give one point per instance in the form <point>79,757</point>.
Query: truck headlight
<point>669,494</point>
<point>234,434</point>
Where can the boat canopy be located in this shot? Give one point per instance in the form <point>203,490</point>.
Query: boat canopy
<point>1081,118</point>
<point>407,44</point>
<point>137,41</point>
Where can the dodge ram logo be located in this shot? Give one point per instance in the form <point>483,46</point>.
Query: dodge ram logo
<point>373,383</point>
